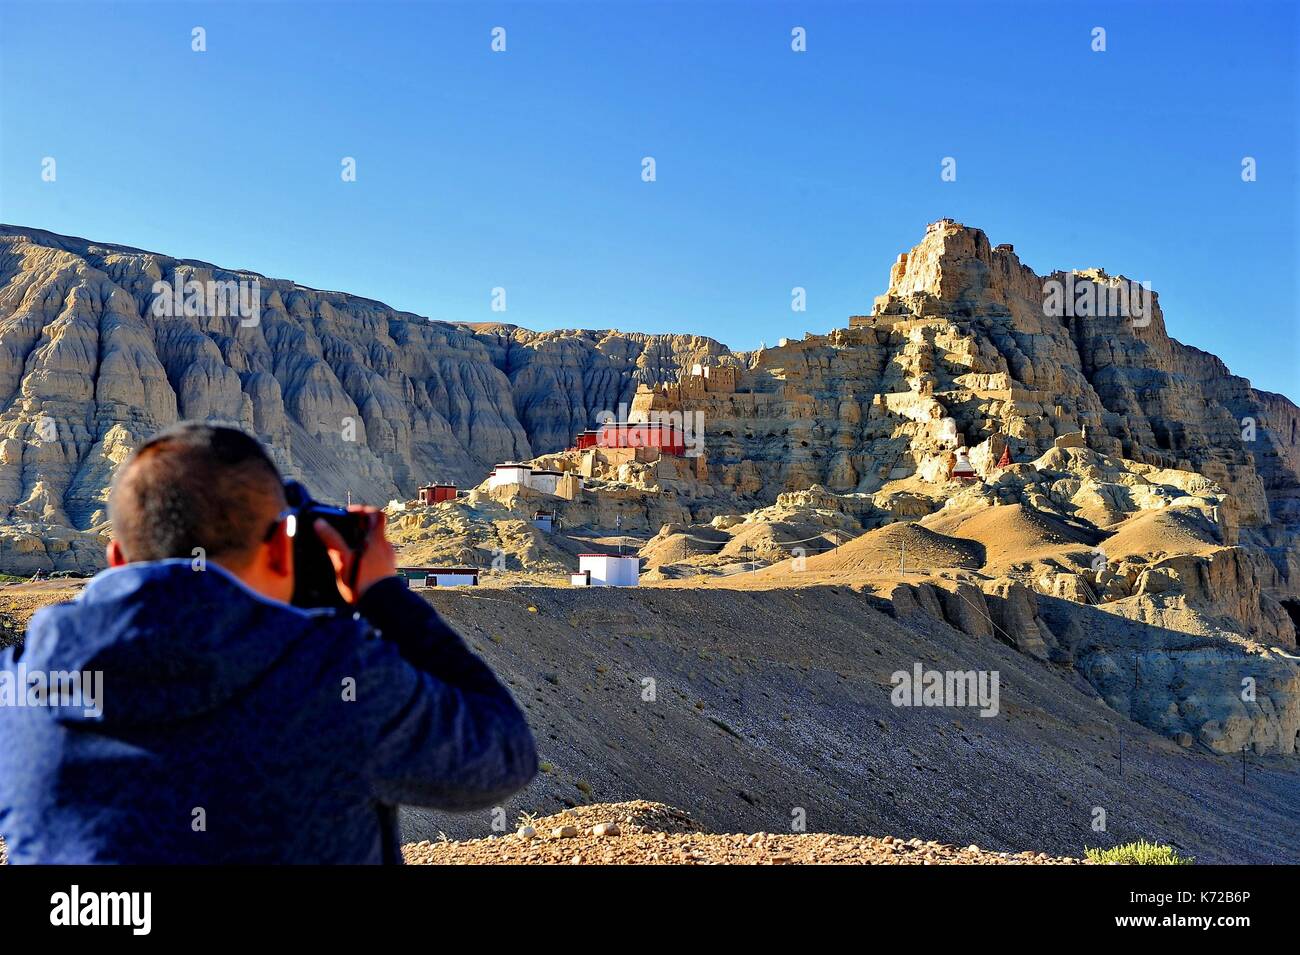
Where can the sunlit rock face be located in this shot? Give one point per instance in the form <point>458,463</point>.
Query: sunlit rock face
<point>357,398</point>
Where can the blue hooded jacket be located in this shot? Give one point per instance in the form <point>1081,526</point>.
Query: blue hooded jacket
<point>234,729</point>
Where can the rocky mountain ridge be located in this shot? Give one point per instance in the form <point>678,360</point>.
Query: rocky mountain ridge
<point>356,397</point>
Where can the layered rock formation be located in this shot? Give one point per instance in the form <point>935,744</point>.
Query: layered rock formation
<point>357,398</point>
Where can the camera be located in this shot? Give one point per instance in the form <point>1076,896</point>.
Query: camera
<point>313,574</point>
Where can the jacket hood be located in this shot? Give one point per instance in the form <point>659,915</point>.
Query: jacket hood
<point>159,641</point>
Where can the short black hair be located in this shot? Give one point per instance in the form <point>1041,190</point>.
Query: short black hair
<point>195,485</point>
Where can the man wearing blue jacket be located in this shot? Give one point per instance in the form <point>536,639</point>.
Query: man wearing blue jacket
<point>181,711</point>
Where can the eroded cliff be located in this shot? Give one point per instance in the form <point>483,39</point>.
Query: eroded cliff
<point>355,397</point>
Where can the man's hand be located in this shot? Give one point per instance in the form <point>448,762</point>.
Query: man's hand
<point>377,557</point>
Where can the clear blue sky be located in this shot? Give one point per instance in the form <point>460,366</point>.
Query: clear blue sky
<point>775,168</point>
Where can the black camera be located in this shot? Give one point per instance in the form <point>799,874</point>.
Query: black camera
<point>313,574</point>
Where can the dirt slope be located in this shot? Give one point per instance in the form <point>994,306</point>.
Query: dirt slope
<point>775,704</point>
<point>1013,534</point>
<point>1156,534</point>
<point>881,549</point>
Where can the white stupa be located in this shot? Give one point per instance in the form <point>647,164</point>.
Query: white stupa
<point>963,470</point>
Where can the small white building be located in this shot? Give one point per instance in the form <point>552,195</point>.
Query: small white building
<point>509,473</point>
<point>439,576</point>
<point>537,479</point>
<point>607,570</point>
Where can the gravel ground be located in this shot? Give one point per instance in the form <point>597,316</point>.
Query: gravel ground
<point>644,833</point>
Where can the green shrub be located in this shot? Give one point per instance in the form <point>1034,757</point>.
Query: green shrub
<point>1137,853</point>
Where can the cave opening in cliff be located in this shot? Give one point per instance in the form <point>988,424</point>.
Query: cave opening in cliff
<point>1292,607</point>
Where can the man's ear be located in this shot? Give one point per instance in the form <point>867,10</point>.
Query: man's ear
<point>279,552</point>
<point>116,557</point>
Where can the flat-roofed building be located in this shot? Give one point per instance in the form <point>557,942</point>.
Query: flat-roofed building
<point>510,472</point>
<point>607,570</point>
<point>439,576</point>
<point>436,493</point>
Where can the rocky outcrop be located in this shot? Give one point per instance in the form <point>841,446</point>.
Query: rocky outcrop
<point>1014,612</point>
<point>1185,678</point>
<point>1226,590</point>
<point>1223,694</point>
<point>963,348</point>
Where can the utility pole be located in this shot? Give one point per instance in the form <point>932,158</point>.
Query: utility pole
<point>902,557</point>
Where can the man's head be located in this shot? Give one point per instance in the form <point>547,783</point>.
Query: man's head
<point>203,486</point>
